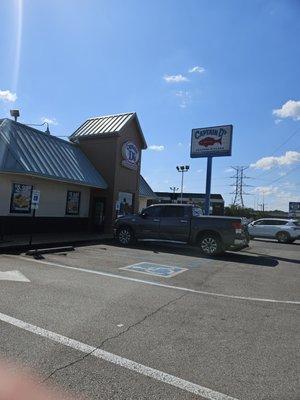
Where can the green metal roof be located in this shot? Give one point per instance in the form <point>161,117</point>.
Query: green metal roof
<point>26,150</point>
<point>145,189</point>
<point>107,125</point>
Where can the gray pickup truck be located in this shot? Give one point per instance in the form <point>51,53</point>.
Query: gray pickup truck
<point>183,223</point>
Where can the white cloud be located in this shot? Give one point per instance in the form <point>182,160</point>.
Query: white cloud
<point>198,69</point>
<point>156,147</point>
<point>50,121</point>
<point>179,144</point>
<point>199,171</point>
<point>185,98</point>
<point>175,78</point>
<point>229,170</point>
<point>290,157</point>
<point>277,121</point>
<point>290,109</point>
<point>7,95</point>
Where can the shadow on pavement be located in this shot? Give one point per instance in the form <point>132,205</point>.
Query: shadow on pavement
<point>290,260</point>
<point>189,251</point>
<point>275,241</point>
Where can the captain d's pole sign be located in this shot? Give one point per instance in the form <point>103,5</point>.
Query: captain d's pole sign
<point>214,141</point>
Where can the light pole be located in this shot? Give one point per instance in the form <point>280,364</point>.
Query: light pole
<point>182,169</point>
<point>173,189</point>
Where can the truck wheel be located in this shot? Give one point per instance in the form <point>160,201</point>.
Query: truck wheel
<point>210,245</point>
<point>283,237</point>
<point>125,236</point>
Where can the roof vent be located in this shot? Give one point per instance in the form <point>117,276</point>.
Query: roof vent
<point>47,131</point>
<point>15,114</point>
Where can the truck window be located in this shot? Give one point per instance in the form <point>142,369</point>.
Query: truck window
<point>173,212</point>
<point>197,212</point>
<point>152,212</point>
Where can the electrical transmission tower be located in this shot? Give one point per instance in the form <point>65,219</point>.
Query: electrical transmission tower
<point>239,185</point>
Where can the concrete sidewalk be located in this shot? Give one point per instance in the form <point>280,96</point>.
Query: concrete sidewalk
<point>39,240</point>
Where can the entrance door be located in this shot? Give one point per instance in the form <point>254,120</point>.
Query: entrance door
<point>98,212</point>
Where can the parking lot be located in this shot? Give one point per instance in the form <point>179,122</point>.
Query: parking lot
<point>222,328</point>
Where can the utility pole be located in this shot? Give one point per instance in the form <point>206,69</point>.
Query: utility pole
<point>174,189</point>
<point>239,185</point>
<point>263,204</point>
<point>182,169</point>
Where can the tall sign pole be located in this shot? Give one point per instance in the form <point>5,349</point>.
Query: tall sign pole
<point>208,186</point>
<point>214,141</point>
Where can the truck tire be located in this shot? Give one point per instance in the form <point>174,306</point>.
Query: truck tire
<point>210,244</point>
<point>283,237</point>
<point>125,235</point>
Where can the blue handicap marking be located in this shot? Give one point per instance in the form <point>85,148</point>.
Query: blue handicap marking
<point>165,271</point>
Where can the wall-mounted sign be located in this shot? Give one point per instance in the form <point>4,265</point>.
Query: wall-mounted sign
<point>213,141</point>
<point>131,155</point>
<point>126,203</point>
<point>35,197</point>
<point>73,203</point>
<point>21,198</point>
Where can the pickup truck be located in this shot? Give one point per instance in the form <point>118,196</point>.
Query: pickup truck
<point>183,223</point>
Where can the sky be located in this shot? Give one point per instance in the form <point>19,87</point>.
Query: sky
<point>179,65</point>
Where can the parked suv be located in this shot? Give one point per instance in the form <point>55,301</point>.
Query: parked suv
<point>284,230</point>
<point>183,223</point>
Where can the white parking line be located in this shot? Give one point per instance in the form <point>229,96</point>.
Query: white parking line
<point>126,278</point>
<point>121,361</point>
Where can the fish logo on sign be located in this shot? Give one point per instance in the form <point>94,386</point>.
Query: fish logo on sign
<point>209,141</point>
<point>213,141</point>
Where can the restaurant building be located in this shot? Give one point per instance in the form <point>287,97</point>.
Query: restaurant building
<point>84,183</point>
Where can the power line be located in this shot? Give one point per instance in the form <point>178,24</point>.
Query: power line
<point>283,176</point>
<point>277,148</point>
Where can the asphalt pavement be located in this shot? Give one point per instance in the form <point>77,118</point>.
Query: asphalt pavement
<point>219,329</point>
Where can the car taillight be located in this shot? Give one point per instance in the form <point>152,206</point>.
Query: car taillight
<point>237,226</point>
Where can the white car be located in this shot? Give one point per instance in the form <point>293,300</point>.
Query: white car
<point>284,230</point>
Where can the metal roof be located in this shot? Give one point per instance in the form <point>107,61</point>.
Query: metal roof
<point>145,189</point>
<point>29,151</point>
<point>108,124</point>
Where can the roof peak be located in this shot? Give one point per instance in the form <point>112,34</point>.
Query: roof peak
<point>35,130</point>
<point>111,115</point>
<point>107,125</point>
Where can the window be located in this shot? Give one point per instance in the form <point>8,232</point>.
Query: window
<point>259,223</point>
<point>197,212</point>
<point>274,222</point>
<point>279,222</point>
<point>73,203</point>
<point>152,212</point>
<point>173,212</point>
<point>20,201</point>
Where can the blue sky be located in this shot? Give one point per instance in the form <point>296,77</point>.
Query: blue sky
<point>69,60</point>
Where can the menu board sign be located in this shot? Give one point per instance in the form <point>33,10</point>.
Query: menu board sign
<point>21,198</point>
<point>73,203</point>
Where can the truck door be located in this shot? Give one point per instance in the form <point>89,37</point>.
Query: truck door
<point>175,223</point>
<point>149,225</point>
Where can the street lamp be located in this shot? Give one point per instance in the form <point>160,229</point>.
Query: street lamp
<point>173,189</point>
<point>182,169</point>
